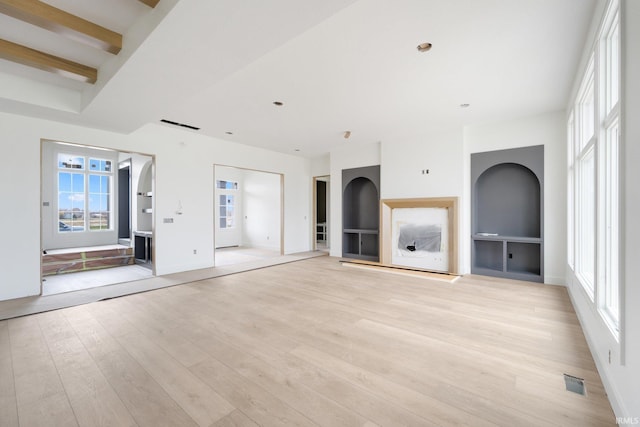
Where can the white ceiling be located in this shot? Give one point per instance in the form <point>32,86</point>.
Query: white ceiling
<point>336,65</point>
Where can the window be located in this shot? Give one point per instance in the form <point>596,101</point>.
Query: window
<point>608,173</point>
<point>570,189</point>
<point>226,203</point>
<point>586,109</point>
<point>610,302</point>
<point>229,185</point>
<point>593,175</point>
<point>585,265</point>
<point>611,53</point>
<point>84,194</point>
<point>585,183</point>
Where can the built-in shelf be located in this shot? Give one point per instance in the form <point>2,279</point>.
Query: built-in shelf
<point>360,213</point>
<point>507,213</point>
<point>361,244</point>
<point>508,256</point>
<point>360,231</point>
<point>321,232</point>
<point>500,238</point>
<point>143,247</point>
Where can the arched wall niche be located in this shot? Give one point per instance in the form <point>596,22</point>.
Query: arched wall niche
<point>508,201</point>
<point>507,206</point>
<point>361,213</point>
<point>360,204</point>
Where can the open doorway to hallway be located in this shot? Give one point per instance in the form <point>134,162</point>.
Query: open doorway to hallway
<point>96,217</point>
<point>248,219</point>
<point>321,213</point>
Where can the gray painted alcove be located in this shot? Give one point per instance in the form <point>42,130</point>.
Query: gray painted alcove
<point>507,221</point>
<point>361,213</point>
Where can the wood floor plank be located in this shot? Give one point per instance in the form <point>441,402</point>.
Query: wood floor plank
<point>94,337</point>
<point>160,329</point>
<point>90,395</point>
<point>40,396</point>
<point>145,399</point>
<point>309,343</point>
<point>235,419</point>
<point>8,404</point>
<point>53,410</point>
<point>341,391</point>
<point>420,404</point>
<point>251,399</point>
<point>197,399</point>
<point>305,400</point>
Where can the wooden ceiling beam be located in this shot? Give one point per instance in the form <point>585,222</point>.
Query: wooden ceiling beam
<point>53,19</point>
<point>150,3</point>
<point>44,61</point>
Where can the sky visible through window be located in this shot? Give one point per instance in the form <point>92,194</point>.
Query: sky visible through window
<point>79,189</point>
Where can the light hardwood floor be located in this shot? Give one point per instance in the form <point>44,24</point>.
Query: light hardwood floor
<point>303,344</point>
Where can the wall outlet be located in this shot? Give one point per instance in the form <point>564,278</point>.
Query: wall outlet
<point>195,251</point>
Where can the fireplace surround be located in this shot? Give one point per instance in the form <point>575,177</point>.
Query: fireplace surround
<point>429,232</point>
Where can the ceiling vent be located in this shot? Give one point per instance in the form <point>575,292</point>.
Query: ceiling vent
<point>179,124</point>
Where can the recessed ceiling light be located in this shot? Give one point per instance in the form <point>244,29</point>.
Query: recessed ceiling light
<point>464,105</point>
<point>347,134</point>
<point>424,47</point>
<point>297,149</point>
<point>278,103</point>
<point>229,133</point>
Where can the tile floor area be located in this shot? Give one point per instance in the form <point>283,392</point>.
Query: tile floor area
<point>61,283</point>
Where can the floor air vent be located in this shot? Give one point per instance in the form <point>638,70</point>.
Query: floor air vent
<point>575,384</point>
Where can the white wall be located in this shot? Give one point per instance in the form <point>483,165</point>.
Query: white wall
<point>321,165</point>
<point>184,173</point>
<point>352,156</point>
<point>621,376</point>
<point>548,130</point>
<point>441,154</point>
<point>261,211</point>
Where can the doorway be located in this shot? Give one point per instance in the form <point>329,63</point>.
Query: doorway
<point>321,209</point>
<point>88,216</point>
<point>248,215</point>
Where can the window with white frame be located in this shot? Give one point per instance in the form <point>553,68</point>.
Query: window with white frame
<point>608,177</point>
<point>84,194</point>
<point>593,175</point>
<point>585,169</point>
<point>570,192</point>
